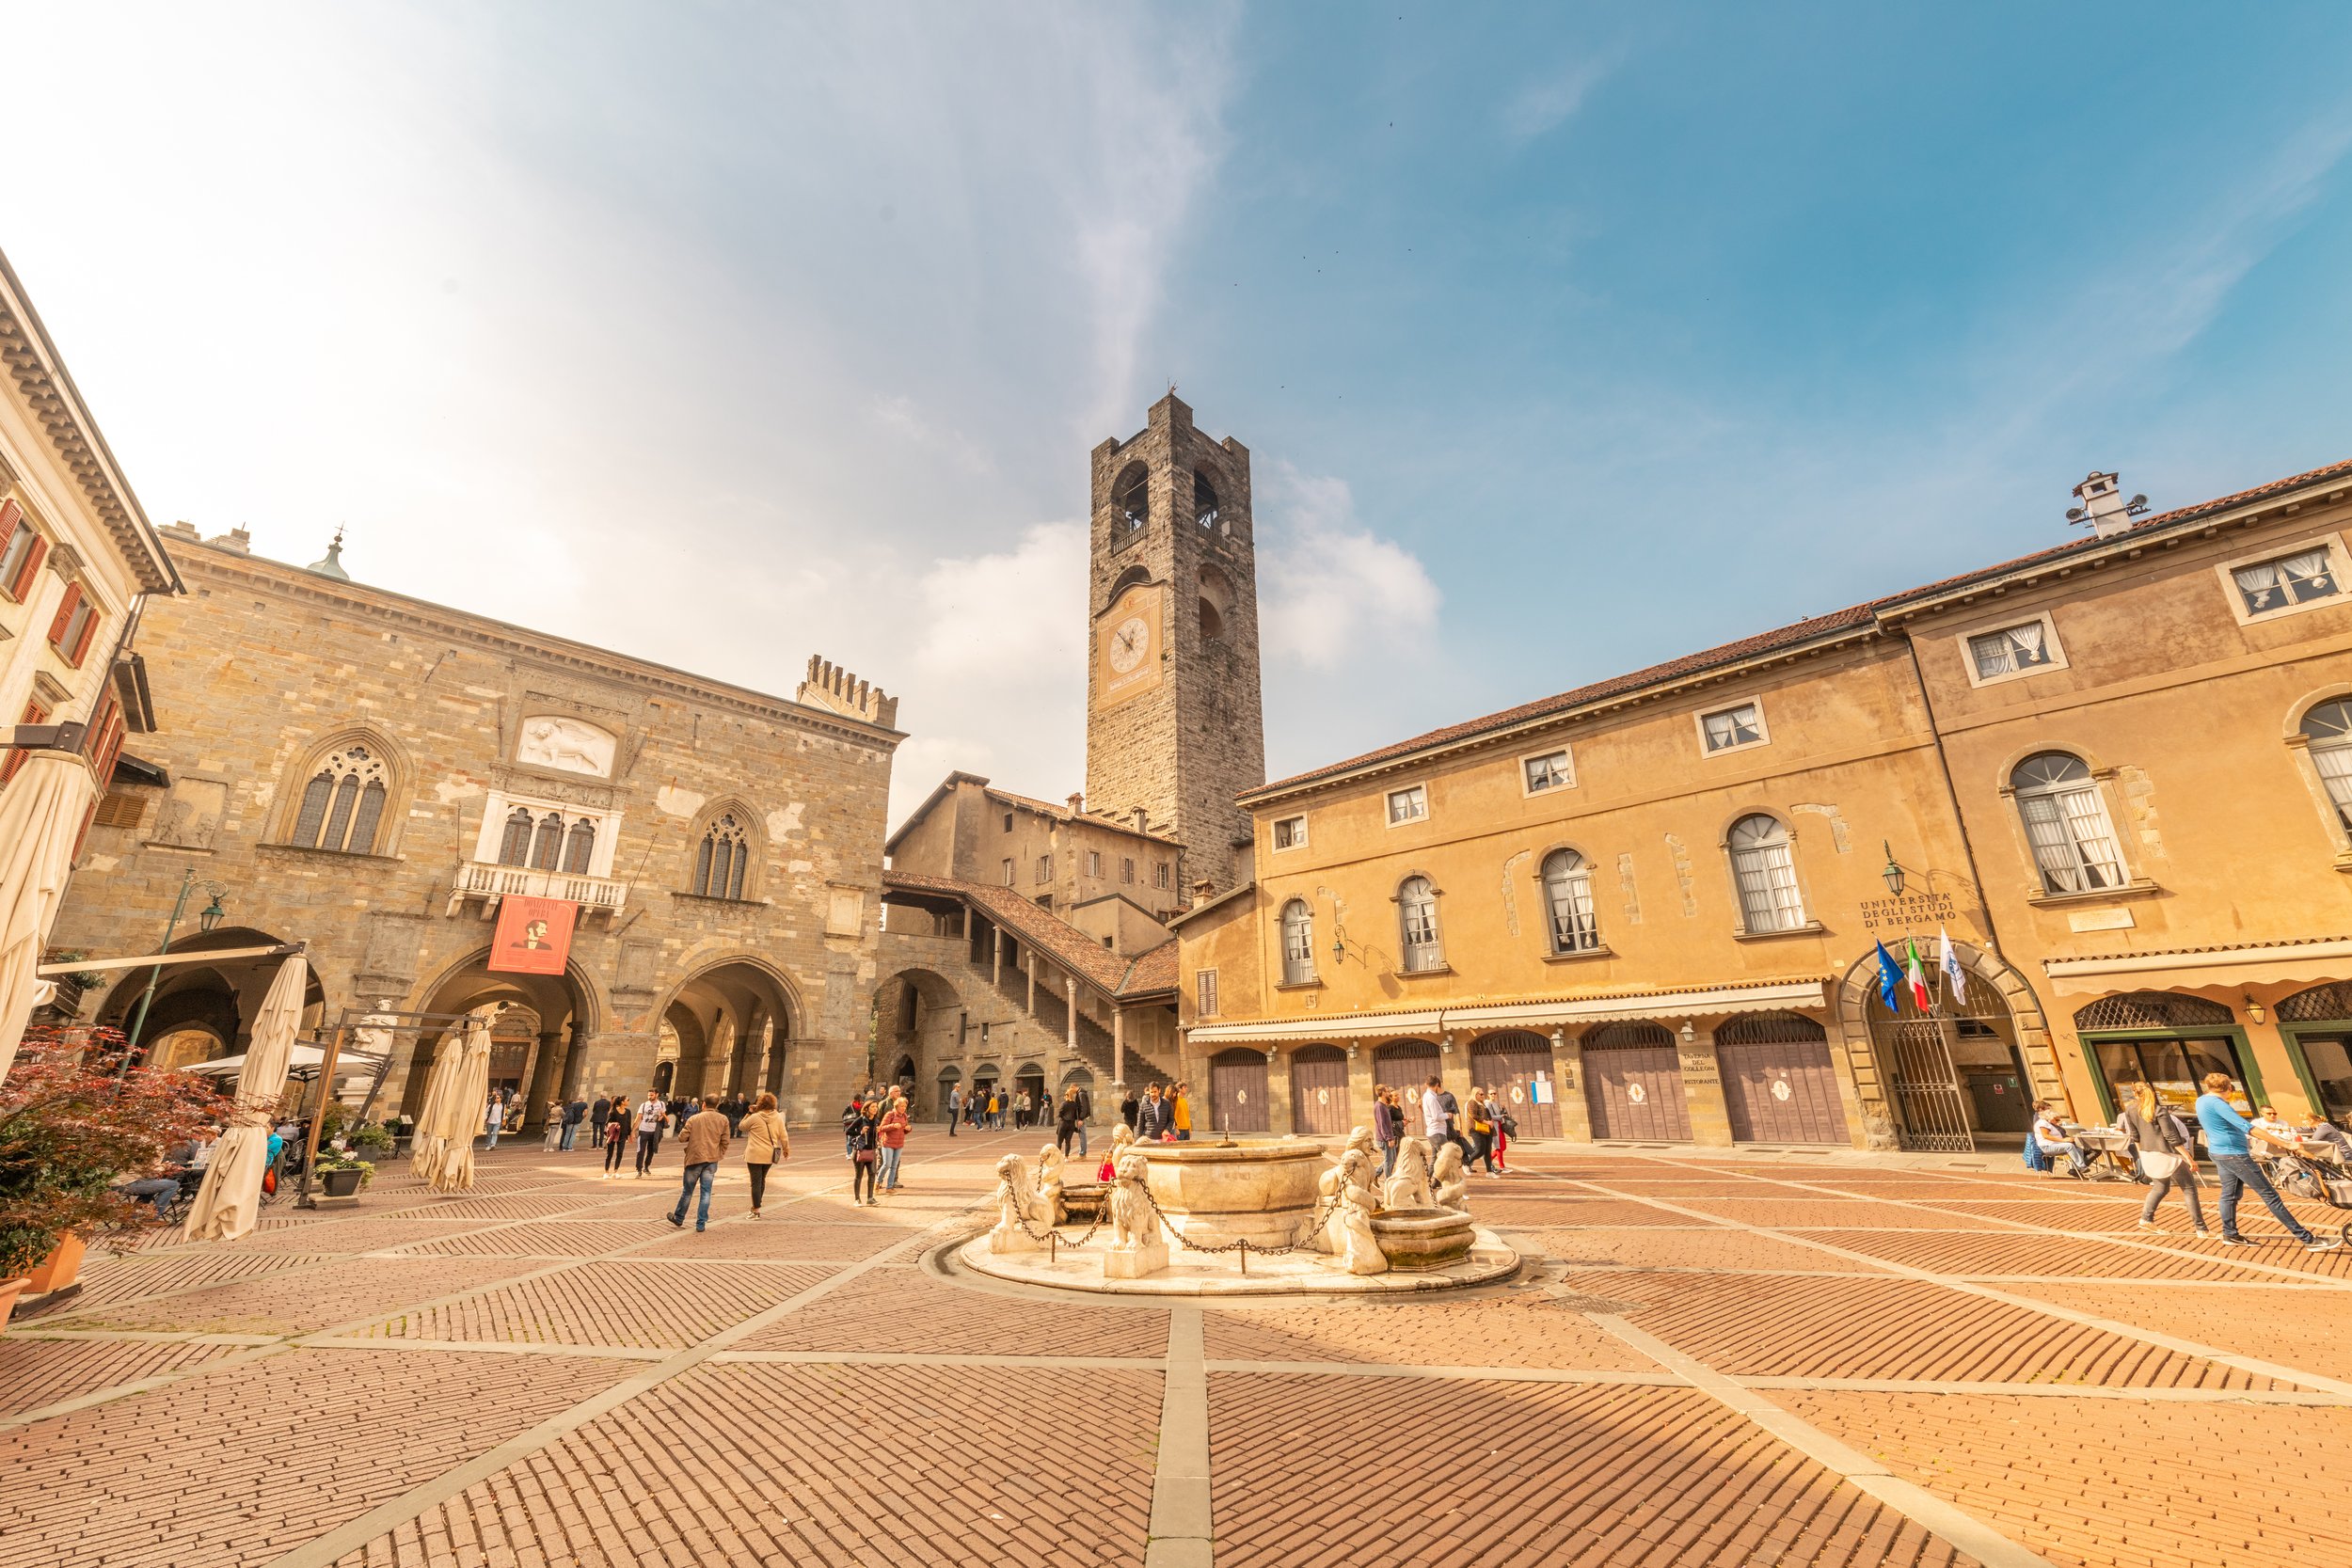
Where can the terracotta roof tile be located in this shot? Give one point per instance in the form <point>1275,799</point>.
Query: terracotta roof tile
<point>1793,635</point>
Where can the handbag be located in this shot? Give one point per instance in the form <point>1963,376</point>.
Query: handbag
<point>864,1156</point>
<point>2157,1167</point>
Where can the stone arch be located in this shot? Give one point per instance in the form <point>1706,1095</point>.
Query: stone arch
<point>568,1008</point>
<point>917,1013</point>
<point>223,997</point>
<point>1137,576</point>
<point>1131,500</point>
<point>1216,600</point>
<point>1993,982</point>
<point>758,1006</point>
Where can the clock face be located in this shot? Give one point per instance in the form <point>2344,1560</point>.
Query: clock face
<point>1130,641</point>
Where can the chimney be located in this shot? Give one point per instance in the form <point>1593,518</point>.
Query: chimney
<point>1077,803</point>
<point>1201,892</point>
<point>1142,820</point>
<point>2104,506</point>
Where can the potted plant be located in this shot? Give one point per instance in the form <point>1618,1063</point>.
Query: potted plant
<point>74,1127</point>
<point>341,1176</point>
<point>372,1143</point>
<point>66,1005</point>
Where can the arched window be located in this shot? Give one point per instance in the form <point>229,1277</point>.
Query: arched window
<point>1203,501</point>
<point>1131,499</point>
<point>2066,822</point>
<point>1298,943</point>
<point>1568,899</point>
<point>342,805</point>
<point>1212,624</point>
<point>1217,602</point>
<point>1417,915</point>
<point>2329,727</point>
<point>1765,870</point>
<point>579,846</point>
<point>547,846</point>
<point>720,859</point>
<point>515,844</point>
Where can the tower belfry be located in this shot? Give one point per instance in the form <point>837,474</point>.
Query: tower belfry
<point>1174,728</point>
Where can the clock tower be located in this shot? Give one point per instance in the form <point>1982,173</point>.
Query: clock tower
<point>1173,724</point>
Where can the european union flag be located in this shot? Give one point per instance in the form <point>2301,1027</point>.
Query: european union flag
<point>1890,980</point>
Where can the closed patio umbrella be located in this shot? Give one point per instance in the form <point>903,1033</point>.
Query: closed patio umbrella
<point>453,1099</point>
<point>41,815</point>
<point>230,1202</point>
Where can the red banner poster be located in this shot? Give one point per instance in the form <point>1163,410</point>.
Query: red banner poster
<point>534,935</point>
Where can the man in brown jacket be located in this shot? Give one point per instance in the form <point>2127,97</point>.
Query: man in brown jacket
<point>706,1140</point>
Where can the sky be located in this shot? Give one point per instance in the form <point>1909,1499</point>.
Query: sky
<point>1564,338</point>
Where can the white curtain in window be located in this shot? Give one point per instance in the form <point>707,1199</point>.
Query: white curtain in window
<point>2307,574</point>
<point>2029,640</point>
<point>1417,907</point>
<point>2073,843</point>
<point>1568,895</point>
<point>2335,770</point>
<point>1766,873</point>
<point>2259,585</point>
<point>1298,943</point>
<point>1995,655</point>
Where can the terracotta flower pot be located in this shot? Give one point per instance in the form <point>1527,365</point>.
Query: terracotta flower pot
<point>61,1268</point>
<point>10,1291</point>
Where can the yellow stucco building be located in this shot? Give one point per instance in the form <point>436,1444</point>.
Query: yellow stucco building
<point>2115,775</point>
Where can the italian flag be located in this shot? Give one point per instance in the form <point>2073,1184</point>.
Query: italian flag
<point>1917,973</point>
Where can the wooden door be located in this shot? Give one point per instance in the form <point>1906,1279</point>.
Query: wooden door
<point>1633,1084</point>
<point>1781,1092</point>
<point>1319,1091</point>
<point>1511,1064</point>
<point>1237,1093</point>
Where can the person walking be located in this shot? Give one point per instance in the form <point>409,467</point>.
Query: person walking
<point>2225,1140</point>
<point>2165,1151</point>
<point>1131,1112</point>
<point>955,1108</point>
<point>493,1118</point>
<point>1180,1113</point>
<point>706,1144</point>
<point>765,1142</point>
<point>575,1113</point>
<point>614,1130</point>
<point>862,1146</point>
<point>1085,1114</point>
<point>553,1133</point>
<point>1067,1124</point>
<point>597,1114</point>
<point>1388,1127</point>
<point>1437,1116</point>
<point>892,1132</point>
<point>995,1110</point>
<point>1155,1119</point>
<point>652,1117</point>
<point>1481,1134</point>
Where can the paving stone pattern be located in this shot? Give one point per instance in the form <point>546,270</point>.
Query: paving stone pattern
<point>1707,1360</point>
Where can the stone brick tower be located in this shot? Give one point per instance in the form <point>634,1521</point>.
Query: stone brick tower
<point>1173,724</point>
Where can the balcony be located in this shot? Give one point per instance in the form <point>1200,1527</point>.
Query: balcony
<point>489,883</point>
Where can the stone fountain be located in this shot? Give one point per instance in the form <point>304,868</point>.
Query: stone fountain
<point>1242,1217</point>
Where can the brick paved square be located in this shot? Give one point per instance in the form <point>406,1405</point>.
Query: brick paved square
<point>2204,1484</point>
<point>1688,1248</point>
<point>108,1280</point>
<point>543,1239</point>
<point>907,1309</point>
<point>750,1462</point>
<point>307,1300</point>
<point>2311,1330</point>
<point>1503,1475</point>
<point>785,1241</point>
<point>36,1373</point>
<point>613,1302</point>
<point>1797,1213</point>
<point>1525,1329</point>
<point>239,1467</point>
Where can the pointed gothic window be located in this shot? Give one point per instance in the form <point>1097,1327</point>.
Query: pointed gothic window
<point>342,805</point>
<point>515,844</point>
<point>579,846</point>
<point>721,860</point>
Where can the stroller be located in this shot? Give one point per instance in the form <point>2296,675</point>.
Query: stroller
<point>2312,1171</point>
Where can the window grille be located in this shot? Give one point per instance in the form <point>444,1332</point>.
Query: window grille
<point>1770,1029</point>
<point>2154,1009</point>
<point>515,844</point>
<point>1765,869</point>
<point>1640,1036</point>
<point>2066,822</point>
<point>580,848</point>
<point>2319,1005</point>
<point>547,846</point>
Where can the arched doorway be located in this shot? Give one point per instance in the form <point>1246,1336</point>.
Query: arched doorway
<point>1779,1086</point>
<point>220,999</point>
<point>1405,1066</point>
<point>734,1020</point>
<point>917,1017</point>
<point>1966,1072</point>
<point>2317,1026</point>
<point>1633,1084</point>
<point>531,1040</point>
<point>1514,1063</point>
<point>1319,1091</point>
<point>1030,1079</point>
<point>1237,1091</point>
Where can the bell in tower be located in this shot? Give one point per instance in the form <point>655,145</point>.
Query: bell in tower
<point>1174,729</point>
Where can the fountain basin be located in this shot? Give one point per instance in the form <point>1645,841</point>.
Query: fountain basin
<point>1217,1193</point>
<point>1423,1237</point>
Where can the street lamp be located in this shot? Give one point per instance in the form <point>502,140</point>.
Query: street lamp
<point>1892,872</point>
<point>211,915</point>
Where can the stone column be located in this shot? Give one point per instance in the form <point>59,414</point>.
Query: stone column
<point>1703,1088</point>
<point>997,955</point>
<point>1028,967</point>
<point>1119,1056</point>
<point>542,1079</point>
<point>574,1060</point>
<point>1069,1025</point>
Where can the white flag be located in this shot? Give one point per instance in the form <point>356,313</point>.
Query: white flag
<point>1947,960</point>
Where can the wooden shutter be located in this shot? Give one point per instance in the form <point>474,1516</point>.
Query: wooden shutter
<point>64,616</point>
<point>34,714</point>
<point>89,629</point>
<point>22,589</point>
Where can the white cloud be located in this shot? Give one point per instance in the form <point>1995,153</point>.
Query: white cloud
<point>1550,102</point>
<point>1329,590</point>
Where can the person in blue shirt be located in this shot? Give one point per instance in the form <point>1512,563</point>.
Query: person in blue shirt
<point>2225,1140</point>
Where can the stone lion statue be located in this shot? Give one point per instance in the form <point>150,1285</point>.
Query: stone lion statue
<point>1047,1211</point>
<point>1015,1201</point>
<point>1407,1186</point>
<point>1359,1249</point>
<point>1136,1248</point>
<point>1348,1183</point>
<point>1449,1182</point>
